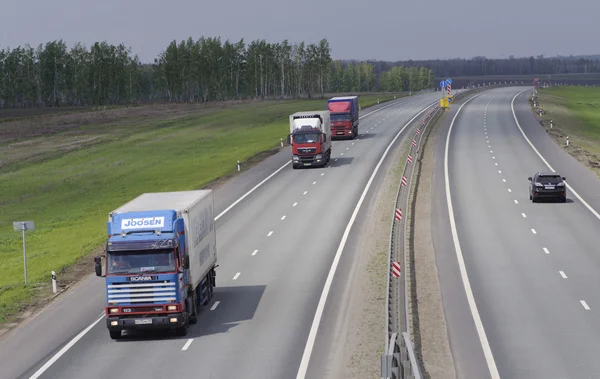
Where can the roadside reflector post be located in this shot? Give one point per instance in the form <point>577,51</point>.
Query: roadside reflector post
<point>53,282</point>
<point>281,140</point>
<point>567,140</point>
<point>238,166</point>
<point>551,124</point>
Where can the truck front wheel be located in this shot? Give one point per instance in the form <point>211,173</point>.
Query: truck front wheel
<point>115,334</point>
<point>182,330</point>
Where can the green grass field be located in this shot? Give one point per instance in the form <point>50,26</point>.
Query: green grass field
<point>69,193</point>
<point>575,112</point>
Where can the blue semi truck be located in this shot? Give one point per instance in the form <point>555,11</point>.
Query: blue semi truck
<point>161,256</point>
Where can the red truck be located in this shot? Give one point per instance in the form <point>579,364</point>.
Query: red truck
<point>344,116</point>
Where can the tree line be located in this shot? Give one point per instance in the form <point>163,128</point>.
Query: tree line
<point>482,66</point>
<point>202,70</point>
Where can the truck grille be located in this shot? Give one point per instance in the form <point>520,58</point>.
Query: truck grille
<point>306,150</point>
<point>154,292</point>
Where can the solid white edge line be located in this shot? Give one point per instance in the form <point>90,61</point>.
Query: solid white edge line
<point>187,344</point>
<point>485,345</point>
<point>62,351</point>
<point>312,335</point>
<point>544,160</point>
<point>70,344</point>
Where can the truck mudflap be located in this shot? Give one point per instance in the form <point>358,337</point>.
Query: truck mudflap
<point>170,321</point>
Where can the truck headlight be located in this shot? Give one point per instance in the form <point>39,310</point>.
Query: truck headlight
<point>295,158</point>
<point>172,308</point>
<point>319,156</point>
<point>114,310</point>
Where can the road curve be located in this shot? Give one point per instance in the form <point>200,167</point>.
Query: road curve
<point>532,268</point>
<point>275,250</point>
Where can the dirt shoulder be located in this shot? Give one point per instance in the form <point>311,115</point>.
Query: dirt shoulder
<point>428,323</point>
<point>366,329</point>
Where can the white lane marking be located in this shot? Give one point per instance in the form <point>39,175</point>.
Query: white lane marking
<point>62,351</point>
<point>305,192</point>
<point>296,203</point>
<point>347,148</point>
<point>499,171</point>
<point>315,182</point>
<point>341,153</point>
<point>493,157</point>
<point>215,305</point>
<point>487,351</point>
<point>585,306</point>
<point>496,163</point>
<point>504,180</point>
<point>322,173</point>
<point>335,160</point>
<point>562,273</point>
<point>353,143</point>
<point>509,190</point>
<point>491,151</point>
<point>533,231</point>
<point>489,146</point>
<point>524,215</point>
<point>516,201</point>
<point>75,339</point>
<point>312,335</point>
<point>546,250</point>
<point>545,161</point>
<point>270,233</point>
<point>237,275</point>
<point>283,217</point>
<point>187,344</point>
<point>254,252</point>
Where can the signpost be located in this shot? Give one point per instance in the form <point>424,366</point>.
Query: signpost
<point>22,226</point>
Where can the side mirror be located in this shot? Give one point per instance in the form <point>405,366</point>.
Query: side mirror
<point>289,139</point>
<point>98,265</point>
<point>530,178</point>
<point>564,178</point>
<point>186,262</point>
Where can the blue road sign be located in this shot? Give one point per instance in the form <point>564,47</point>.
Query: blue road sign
<point>442,84</point>
<point>450,99</point>
<point>449,81</point>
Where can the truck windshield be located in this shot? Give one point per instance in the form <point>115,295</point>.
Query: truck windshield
<point>142,261</point>
<point>307,138</point>
<point>340,117</point>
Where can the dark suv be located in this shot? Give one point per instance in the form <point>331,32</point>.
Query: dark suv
<point>547,185</point>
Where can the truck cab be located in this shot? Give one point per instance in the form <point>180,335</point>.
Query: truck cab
<point>310,139</point>
<point>344,116</point>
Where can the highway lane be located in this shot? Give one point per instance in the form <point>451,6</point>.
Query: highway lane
<point>242,224</point>
<point>532,267</point>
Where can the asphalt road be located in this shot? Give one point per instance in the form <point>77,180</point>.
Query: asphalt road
<point>275,250</point>
<point>532,268</point>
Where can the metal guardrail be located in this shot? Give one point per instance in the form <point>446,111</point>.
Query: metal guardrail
<point>399,359</point>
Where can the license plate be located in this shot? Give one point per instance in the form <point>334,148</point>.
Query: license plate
<point>143,321</point>
<point>307,164</point>
<point>549,187</point>
<point>340,133</point>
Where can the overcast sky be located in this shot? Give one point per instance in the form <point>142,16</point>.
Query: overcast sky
<point>365,29</point>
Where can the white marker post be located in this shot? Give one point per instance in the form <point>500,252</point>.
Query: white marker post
<point>53,282</point>
<point>551,124</point>
<point>567,140</point>
<point>238,166</point>
<point>22,226</point>
<point>281,141</point>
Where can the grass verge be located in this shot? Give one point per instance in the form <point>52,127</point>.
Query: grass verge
<point>68,178</point>
<point>574,112</point>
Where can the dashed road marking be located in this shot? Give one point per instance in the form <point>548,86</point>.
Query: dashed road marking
<point>504,180</point>
<point>509,190</point>
<point>270,233</point>
<point>305,192</point>
<point>341,153</point>
<point>546,250</point>
<point>524,215</point>
<point>516,201</point>
<point>296,203</point>
<point>215,305</point>
<point>237,275</point>
<point>499,171</point>
<point>533,231</point>
<point>585,306</point>
<point>283,217</point>
<point>254,252</point>
<point>315,182</point>
<point>563,274</point>
<point>496,163</point>
<point>322,173</point>
<point>187,344</point>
